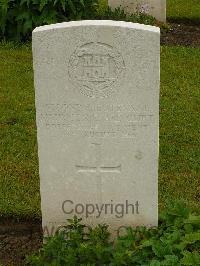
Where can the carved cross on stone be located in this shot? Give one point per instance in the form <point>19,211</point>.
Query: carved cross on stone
<point>99,168</point>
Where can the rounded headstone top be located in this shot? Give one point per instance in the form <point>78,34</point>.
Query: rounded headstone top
<point>107,23</point>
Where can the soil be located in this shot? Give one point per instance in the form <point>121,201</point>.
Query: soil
<point>17,240</point>
<point>181,34</point>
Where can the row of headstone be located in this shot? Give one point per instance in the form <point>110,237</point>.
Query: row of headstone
<point>97,103</point>
<point>155,8</point>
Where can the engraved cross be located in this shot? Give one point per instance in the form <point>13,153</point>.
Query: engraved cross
<point>99,169</point>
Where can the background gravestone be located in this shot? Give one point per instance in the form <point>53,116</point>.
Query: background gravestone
<point>156,8</point>
<point>97,102</point>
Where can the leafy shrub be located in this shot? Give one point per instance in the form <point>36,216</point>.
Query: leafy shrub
<point>175,242</point>
<point>19,17</point>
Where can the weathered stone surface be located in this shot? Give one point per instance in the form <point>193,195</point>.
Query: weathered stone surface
<point>97,102</point>
<point>156,8</point>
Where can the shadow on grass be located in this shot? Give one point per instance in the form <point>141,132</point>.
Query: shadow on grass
<point>184,20</point>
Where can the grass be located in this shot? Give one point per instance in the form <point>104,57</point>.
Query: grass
<point>179,125</point>
<point>19,186</point>
<point>179,156</point>
<point>183,10</point>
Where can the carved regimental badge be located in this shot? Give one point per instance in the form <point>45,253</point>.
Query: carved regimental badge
<point>94,68</point>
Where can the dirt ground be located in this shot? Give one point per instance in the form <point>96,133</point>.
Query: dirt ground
<point>17,240</point>
<point>181,34</point>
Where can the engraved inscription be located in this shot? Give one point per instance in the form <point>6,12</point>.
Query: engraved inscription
<point>91,121</point>
<point>94,68</point>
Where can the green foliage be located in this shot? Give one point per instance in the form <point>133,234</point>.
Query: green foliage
<point>19,17</point>
<point>175,242</point>
<point>191,258</point>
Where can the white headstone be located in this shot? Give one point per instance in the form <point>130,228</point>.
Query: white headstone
<point>97,102</point>
<point>155,8</point>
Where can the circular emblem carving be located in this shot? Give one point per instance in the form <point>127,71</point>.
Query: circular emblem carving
<point>94,68</point>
